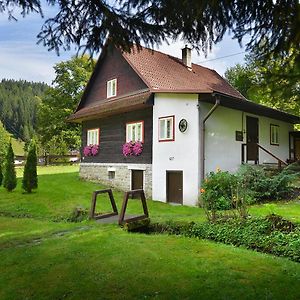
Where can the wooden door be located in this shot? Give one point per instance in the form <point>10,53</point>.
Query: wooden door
<point>175,186</point>
<point>137,179</point>
<point>252,138</point>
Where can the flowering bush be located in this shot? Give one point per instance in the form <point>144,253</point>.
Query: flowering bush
<point>132,148</point>
<point>91,150</point>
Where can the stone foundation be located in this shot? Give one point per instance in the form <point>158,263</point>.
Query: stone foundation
<point>122,173</point>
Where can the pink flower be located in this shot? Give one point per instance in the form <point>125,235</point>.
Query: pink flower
<point>137,149</point>
<point>87,151</point>
<point>95,149</point>
<point>127,149</point>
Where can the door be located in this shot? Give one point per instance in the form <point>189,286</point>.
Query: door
<point>297,149</point>
<point>137,180</point>
<point>174,186</point>
<point>252,139</point>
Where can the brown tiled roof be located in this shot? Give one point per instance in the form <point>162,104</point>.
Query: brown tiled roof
<point>117,105</point>
<point>165,73</point>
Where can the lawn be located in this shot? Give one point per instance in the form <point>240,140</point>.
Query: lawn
<point>43,259</point>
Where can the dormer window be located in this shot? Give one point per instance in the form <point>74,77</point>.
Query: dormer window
<point>112,88</point>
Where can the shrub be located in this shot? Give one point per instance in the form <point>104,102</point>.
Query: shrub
<point>9,178</point>
<point>261,186</point>
<point>30,180</point>
<point>78,214</point>
<point>216,191</point>
<point>1,174</point>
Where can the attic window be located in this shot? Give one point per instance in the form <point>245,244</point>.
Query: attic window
<point>112,88</point>
<point>166,129</point>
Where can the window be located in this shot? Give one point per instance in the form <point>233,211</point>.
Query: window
<point>111,175</point>
<point>135,132</point>
<point>93,136</point>
<point>274,134</point>
<point>111,88</point>
<point>166,129</point>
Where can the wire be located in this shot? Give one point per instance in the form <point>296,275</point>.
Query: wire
<point>234,54</point>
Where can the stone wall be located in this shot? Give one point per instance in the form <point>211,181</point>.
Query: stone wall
<point>122,180</point>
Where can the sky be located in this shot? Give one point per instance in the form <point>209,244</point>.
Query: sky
<point>22,58</point>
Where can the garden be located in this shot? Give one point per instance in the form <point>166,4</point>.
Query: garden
<point>46,252</point>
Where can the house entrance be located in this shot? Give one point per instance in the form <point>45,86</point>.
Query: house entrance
<point>294,146</point>
<point>252,139</point>
<point>137,180</point>
<point>175,186</point>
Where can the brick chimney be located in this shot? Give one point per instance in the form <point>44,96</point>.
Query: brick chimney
<point>187,57</point>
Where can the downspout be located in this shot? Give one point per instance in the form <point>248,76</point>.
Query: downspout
<point>202,136</point>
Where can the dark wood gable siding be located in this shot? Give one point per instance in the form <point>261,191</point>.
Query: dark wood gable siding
<point>113,136</point>
<point>112,65</point>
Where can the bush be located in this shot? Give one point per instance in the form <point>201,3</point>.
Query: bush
<point>78,214</point>
<point>10,178</point>
<point>30,180</point>
<point>260,186</point>
<point>217,189</point>
<point>1,174</point>
<point>272,234</point>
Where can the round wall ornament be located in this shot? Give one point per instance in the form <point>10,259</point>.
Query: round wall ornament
<point>183,125</point>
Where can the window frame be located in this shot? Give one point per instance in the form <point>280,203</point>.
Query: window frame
<point>142,129</point>
<point>164,139</point>
<point>98,136</point>
<point>276,133</point>
<point>109,89</point>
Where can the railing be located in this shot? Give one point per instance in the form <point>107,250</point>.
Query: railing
<point>280,161</point>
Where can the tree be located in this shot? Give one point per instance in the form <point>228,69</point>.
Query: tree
<point>274,82</point>
<point>10,179</point>
<point>272,25</point>
<point>4,141</point>
<point>30,179</point>
<point>56,135</point>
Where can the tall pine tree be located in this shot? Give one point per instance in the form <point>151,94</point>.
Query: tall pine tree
<point>30,180</point>
<point>10,178</point>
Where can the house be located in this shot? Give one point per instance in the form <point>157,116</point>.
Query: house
<point>185,120</point>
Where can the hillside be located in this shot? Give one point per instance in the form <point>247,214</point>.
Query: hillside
<point>18,106</point>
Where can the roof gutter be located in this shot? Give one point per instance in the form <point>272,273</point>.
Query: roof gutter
<point>202,135</point>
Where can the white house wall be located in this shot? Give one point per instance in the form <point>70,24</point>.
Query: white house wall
<point>224,152</point>
<point>181,154</point>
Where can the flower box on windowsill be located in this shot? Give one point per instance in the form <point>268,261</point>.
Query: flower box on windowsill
<point>91,150</point>
<point>132,149</point>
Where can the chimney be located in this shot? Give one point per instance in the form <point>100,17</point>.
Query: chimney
<point>187,57</point>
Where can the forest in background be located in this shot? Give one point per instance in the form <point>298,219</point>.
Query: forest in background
<point>19,100</point>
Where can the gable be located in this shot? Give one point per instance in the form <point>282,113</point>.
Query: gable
<point>111,65</point>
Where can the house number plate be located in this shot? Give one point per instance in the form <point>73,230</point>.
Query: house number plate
<point>183,125</point>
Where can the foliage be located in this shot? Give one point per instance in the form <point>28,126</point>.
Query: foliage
<point>56,135</point>
<point>10,179</point>
<point>30,179</point>
<point>4,141</point>
<point>1,174</point>
<point>18,105</point>
<point>273,82</point>
<point>271,25</point>
<point>217,189</point>
<point>78,214</point>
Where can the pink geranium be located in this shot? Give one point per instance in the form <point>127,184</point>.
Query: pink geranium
<point>127,149</point>
<point>132,148</point>
<point>91,150</point>
<point>137,149</point>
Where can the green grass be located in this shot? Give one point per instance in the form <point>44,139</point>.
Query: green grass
<point>18,146</point>
<point>42,259</point>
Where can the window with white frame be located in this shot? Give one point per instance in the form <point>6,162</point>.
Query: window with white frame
<point>93,137</point>
<point>111,88</point>
<point>135,132</point>
<point>274,134</point>
<point>166,128</point>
